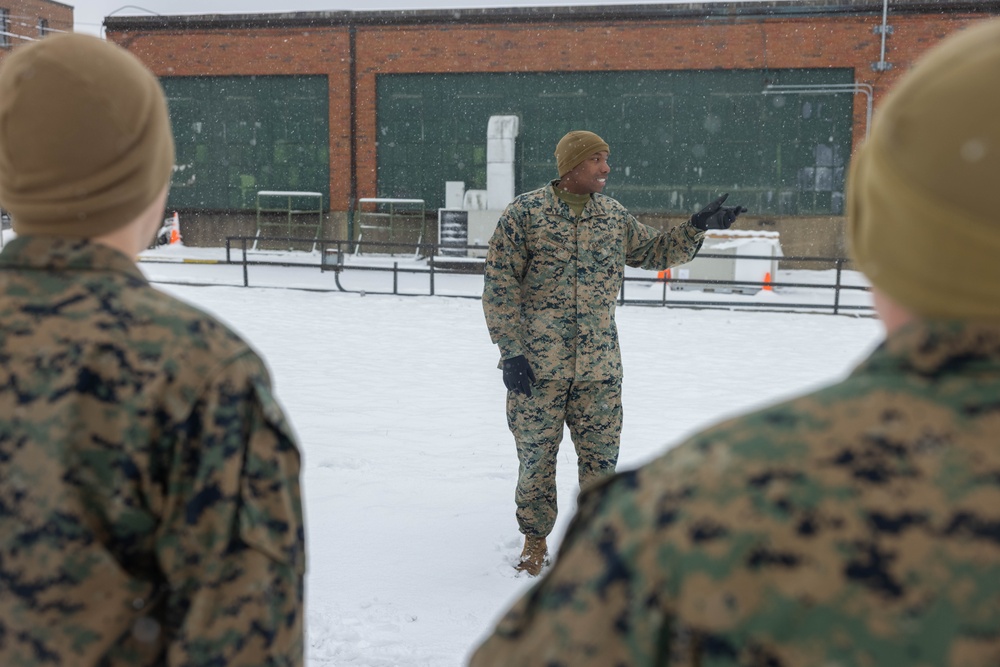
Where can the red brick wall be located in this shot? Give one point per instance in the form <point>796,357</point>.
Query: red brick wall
<point>24,15</point>
<point>731,43</point>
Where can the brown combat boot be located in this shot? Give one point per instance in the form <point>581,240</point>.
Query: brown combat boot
<point>532,555</point>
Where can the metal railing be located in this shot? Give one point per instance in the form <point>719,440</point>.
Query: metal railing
<point>333,252</point>
<point>838,287</point>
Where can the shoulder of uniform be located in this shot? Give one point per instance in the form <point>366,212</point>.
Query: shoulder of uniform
<point>609,203</point>
<point>539,193</point>
<point>732,447</point>
<point>193,331</point>
<point>528,201</point>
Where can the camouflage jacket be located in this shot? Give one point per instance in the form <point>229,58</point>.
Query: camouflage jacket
<point>858,525</point>
<point>149,508</point>
<point>552,281</point>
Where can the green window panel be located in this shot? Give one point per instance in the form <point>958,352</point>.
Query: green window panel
<point>236,135</point>
<point>677,137</point>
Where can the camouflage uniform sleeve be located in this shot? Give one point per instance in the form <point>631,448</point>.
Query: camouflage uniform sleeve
<point>231,543</point>
<point>506,263</point>
<point>593,608</point>
<point>649,248</point>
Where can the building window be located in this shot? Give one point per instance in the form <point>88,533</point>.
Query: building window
<point>4,28</point>
<point>43,27</point>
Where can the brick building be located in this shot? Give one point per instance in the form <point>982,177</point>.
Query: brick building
<point>26,20</point>
<point>765,100</point>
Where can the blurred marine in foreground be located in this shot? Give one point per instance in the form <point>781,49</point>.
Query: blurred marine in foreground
<point>860,524</point>
<point>149,506</point>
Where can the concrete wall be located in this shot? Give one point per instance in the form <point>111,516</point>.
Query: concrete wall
<point>210,229</point>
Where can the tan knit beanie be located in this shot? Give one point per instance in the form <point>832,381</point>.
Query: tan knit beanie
<point>923,224</point>
<point>85,142</point>
<point>576,147</point>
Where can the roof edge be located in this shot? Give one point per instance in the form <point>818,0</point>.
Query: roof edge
<point>567,13</point>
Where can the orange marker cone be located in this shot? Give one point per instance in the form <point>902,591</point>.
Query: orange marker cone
<point>767,282</point>
<point>175,230</point>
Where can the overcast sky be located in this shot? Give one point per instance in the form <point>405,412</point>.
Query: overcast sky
<point>89,14</point>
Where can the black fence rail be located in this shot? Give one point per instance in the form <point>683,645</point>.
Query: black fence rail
<point>837,287</point>
<point>451,259</point>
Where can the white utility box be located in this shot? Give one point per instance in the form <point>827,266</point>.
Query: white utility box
<point>454,194</point>
<point>749,256</point>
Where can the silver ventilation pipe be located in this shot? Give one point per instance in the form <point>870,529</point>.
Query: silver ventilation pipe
<point>884,29</point>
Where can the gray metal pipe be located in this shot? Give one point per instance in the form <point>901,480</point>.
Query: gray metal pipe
<point>885,29</point>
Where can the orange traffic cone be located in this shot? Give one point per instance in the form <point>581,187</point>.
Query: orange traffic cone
<point>175,230</point>
<point>767,282</point>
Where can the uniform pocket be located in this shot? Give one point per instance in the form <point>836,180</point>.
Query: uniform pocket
<point>550,247</point>
<point>549,271</point>
<point>607,248</point>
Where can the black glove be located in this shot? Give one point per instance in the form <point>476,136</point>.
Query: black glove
<point>517,375</point>
<point>716,216</point>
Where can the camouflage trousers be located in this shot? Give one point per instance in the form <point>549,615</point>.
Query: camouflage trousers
<point>593,412</point>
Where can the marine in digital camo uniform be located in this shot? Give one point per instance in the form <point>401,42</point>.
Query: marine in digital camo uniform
<point>553,273</point>
<point>857,525</point>
<point>150,510</point>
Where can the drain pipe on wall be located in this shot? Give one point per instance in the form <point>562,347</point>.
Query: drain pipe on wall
<point>884,29</point>
<point>352,73</point>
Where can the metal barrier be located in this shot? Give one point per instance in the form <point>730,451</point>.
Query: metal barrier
<point>292,208</point>
<point>332,253</point>
<point>838,287</point>
<point>382,214</point>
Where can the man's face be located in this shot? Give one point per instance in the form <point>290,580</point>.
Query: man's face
<point>587,177</point>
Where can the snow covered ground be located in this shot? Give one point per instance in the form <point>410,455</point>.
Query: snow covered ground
<point>409,468</point>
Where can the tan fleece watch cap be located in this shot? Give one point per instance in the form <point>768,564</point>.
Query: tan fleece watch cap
<point>575,147</point>
<point>85,141</point>
<point>924,226</point>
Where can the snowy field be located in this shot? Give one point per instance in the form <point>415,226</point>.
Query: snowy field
<point>409,468</point>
